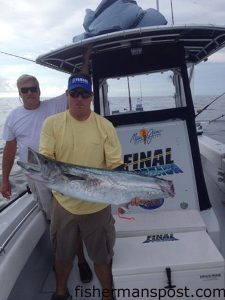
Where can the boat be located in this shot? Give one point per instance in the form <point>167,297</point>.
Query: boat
<point>166,248</point>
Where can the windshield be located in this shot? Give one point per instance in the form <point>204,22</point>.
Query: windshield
<point>145,92</point>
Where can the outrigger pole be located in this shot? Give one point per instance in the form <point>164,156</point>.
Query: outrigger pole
<point>171,6</point>
<point>216,118</point>
<point>17,56</point>
<point>204,108</point>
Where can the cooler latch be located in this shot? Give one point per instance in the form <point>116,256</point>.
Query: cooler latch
<point>168,274</point>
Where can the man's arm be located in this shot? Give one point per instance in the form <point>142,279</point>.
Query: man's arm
<point>8,158</point>
<point>47,139</point>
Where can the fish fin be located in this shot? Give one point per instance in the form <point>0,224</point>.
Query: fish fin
<point>73,177</point>
<point>122,167</point>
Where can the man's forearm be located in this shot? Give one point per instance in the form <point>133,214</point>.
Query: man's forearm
<point>8,158</point>
<point>47,140</point>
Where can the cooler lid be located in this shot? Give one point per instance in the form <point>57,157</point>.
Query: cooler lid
<point>179,251</point>
<point>159,221</point>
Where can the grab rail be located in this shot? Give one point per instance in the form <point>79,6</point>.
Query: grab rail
<point>5,243</point>
<point>17,197</point>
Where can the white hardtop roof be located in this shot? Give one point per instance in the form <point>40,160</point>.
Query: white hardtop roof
<point>200,41</point>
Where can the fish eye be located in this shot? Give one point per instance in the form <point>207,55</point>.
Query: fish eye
<point>45,161</point>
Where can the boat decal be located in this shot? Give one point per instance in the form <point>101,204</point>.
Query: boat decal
<point>213,276</point>
<point>152,204</point>
<point>144,136</point>
<point>149,158</point>
<point>164,237</point>
<point>169,169</point>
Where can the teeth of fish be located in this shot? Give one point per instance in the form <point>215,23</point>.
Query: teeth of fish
<point>96,185</point>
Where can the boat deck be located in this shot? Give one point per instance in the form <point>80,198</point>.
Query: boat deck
<point>49,285</point>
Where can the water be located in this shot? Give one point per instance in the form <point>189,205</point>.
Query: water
<point>17,179</point>
<point>215,129</point>
<point>6,104</point>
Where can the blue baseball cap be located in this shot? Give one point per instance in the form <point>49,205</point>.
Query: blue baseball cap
<point>80,81</point>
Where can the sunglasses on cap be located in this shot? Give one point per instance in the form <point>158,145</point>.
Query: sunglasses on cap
<point>32,89</point>
<point>83,94</point>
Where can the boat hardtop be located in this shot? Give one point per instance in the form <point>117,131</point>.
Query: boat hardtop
<point>199,41</point>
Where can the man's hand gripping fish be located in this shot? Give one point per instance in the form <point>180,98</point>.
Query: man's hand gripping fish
<point>95,185</point>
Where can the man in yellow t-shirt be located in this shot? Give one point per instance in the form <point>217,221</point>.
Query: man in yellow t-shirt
<point>81,137</point>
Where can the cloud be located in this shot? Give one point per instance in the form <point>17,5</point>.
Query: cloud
<point>30,28</point>
<point>218,57</point>
<point>5,85</point>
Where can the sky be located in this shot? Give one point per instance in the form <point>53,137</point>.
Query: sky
<point>29,28</point>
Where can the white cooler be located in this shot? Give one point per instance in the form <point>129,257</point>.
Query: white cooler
<point>159,221</point>
<point>168,266</point>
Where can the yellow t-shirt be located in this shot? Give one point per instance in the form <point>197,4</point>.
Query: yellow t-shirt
<point>92,143</point>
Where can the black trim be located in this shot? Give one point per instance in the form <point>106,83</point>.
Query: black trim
<point>148,116</point>
<point>203,197</point>
<point>96,100</point>
<point>121,62</point>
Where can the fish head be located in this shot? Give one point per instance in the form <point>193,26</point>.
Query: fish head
<point>31,170</point>
<point>40,167</point>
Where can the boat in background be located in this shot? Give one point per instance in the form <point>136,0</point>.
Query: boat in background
<point>212,151</point>
<point>166,244</point>
<point>139,106</point>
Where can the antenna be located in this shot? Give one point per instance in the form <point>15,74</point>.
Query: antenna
<point>17,56</point>
<point>141,90</point>
<point>171,5</point>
